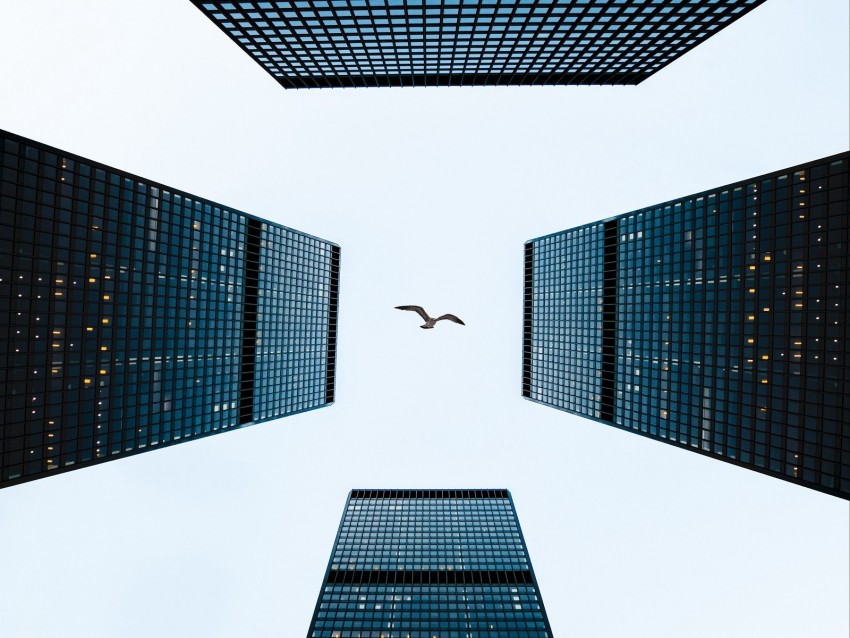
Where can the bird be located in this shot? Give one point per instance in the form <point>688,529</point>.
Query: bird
<point>429,321</point>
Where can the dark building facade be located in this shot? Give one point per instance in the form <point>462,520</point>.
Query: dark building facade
<point>367,43</point>
<point>425,563</point>
<point>137,316</point>
<point>716,322</point>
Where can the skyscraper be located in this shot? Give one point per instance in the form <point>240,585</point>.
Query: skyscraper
<point>425,563</point>
<point>363,43</point>
<point>137,316</point>
<point>715,322</point>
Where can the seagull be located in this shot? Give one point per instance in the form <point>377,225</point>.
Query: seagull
<point>429,321</point>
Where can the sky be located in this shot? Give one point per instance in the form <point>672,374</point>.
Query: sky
<point>431,194</point>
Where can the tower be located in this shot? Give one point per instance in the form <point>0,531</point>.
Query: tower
<point>137,316</point>
<point>716,322</point>
<point>424,563</point>
<point>370,43</point>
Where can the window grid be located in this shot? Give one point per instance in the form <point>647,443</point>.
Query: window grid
<point>122,314</point>
<point>565,342</point>
<point>730,326</point>
<point>333,43</point>
<point>446,563</point>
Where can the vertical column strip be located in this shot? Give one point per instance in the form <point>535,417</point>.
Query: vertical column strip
<point>526,319</point>
<point>609,322</point>
<point>333,303</point>
<point>249,321</point>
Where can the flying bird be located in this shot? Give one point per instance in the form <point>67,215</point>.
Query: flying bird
<point>429,321</point>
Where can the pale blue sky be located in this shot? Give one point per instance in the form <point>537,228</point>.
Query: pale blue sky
<point>431,194</point>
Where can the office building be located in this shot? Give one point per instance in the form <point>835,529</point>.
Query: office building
<point>425,563</point>
<point>715,322</point>
<point>137,316</point>
<point>370,43</point>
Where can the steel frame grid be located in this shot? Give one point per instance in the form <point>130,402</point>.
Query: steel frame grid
<point>10,185</point>
<point>429,577</point>
<point>529,317</point>
<point>301,34</point>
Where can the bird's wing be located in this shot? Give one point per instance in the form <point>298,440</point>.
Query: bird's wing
<point>451,318</point>
<point>417,309</point>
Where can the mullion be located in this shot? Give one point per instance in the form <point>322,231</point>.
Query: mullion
<point>327,24</point>
<point>311,34</point>
<point>632,56</point>
<point>492,36</point>
<point>535,33</point>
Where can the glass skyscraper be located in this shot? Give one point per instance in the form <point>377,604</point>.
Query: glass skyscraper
<point>136,316</point>
<point>426,563</point>
<point>715,322</point>
<point>366,43</point>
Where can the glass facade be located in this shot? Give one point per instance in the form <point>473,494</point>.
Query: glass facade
<point>363,43</point>
<point>135,316</point>
<point>715,322</point>
<point>426,563</point>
